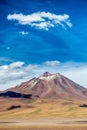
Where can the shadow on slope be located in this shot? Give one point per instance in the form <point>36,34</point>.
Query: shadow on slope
<point>11,94</point>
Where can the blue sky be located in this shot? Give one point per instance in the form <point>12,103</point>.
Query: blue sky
<point>38,36</point>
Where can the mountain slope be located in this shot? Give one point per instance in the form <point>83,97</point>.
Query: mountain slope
<point>52,86</point>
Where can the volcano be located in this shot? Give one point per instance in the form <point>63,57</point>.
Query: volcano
<point>51,86</point>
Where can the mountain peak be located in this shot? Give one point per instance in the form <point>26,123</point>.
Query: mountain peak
<point>46,74</point>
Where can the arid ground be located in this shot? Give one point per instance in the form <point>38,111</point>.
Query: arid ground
<point>43,124</point>
<point>43,114</point>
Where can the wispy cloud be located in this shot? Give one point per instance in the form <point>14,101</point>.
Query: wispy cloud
<point>5,59</point>
<point>24,33</point>
<point>41,20</point>
<point>52,63</point>
<point>17,72</point>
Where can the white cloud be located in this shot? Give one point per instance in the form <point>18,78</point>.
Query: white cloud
<point>41,20</point>
<point>17,72</point>
<point>16,64</point>
<point>43,25</point>
<point>24,33</point>
<point>52,63</point>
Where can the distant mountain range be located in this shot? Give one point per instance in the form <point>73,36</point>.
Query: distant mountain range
<point>50,86</point>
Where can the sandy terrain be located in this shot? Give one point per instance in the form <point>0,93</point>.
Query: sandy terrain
<point>43,122</point>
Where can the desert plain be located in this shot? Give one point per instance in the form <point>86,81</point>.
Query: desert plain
<point>42,114</point>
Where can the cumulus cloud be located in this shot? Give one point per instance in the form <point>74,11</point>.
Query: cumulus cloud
<point>16,64</point>
<point>17,72</point>
<point>24,33</point>
<point>41,20</point>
